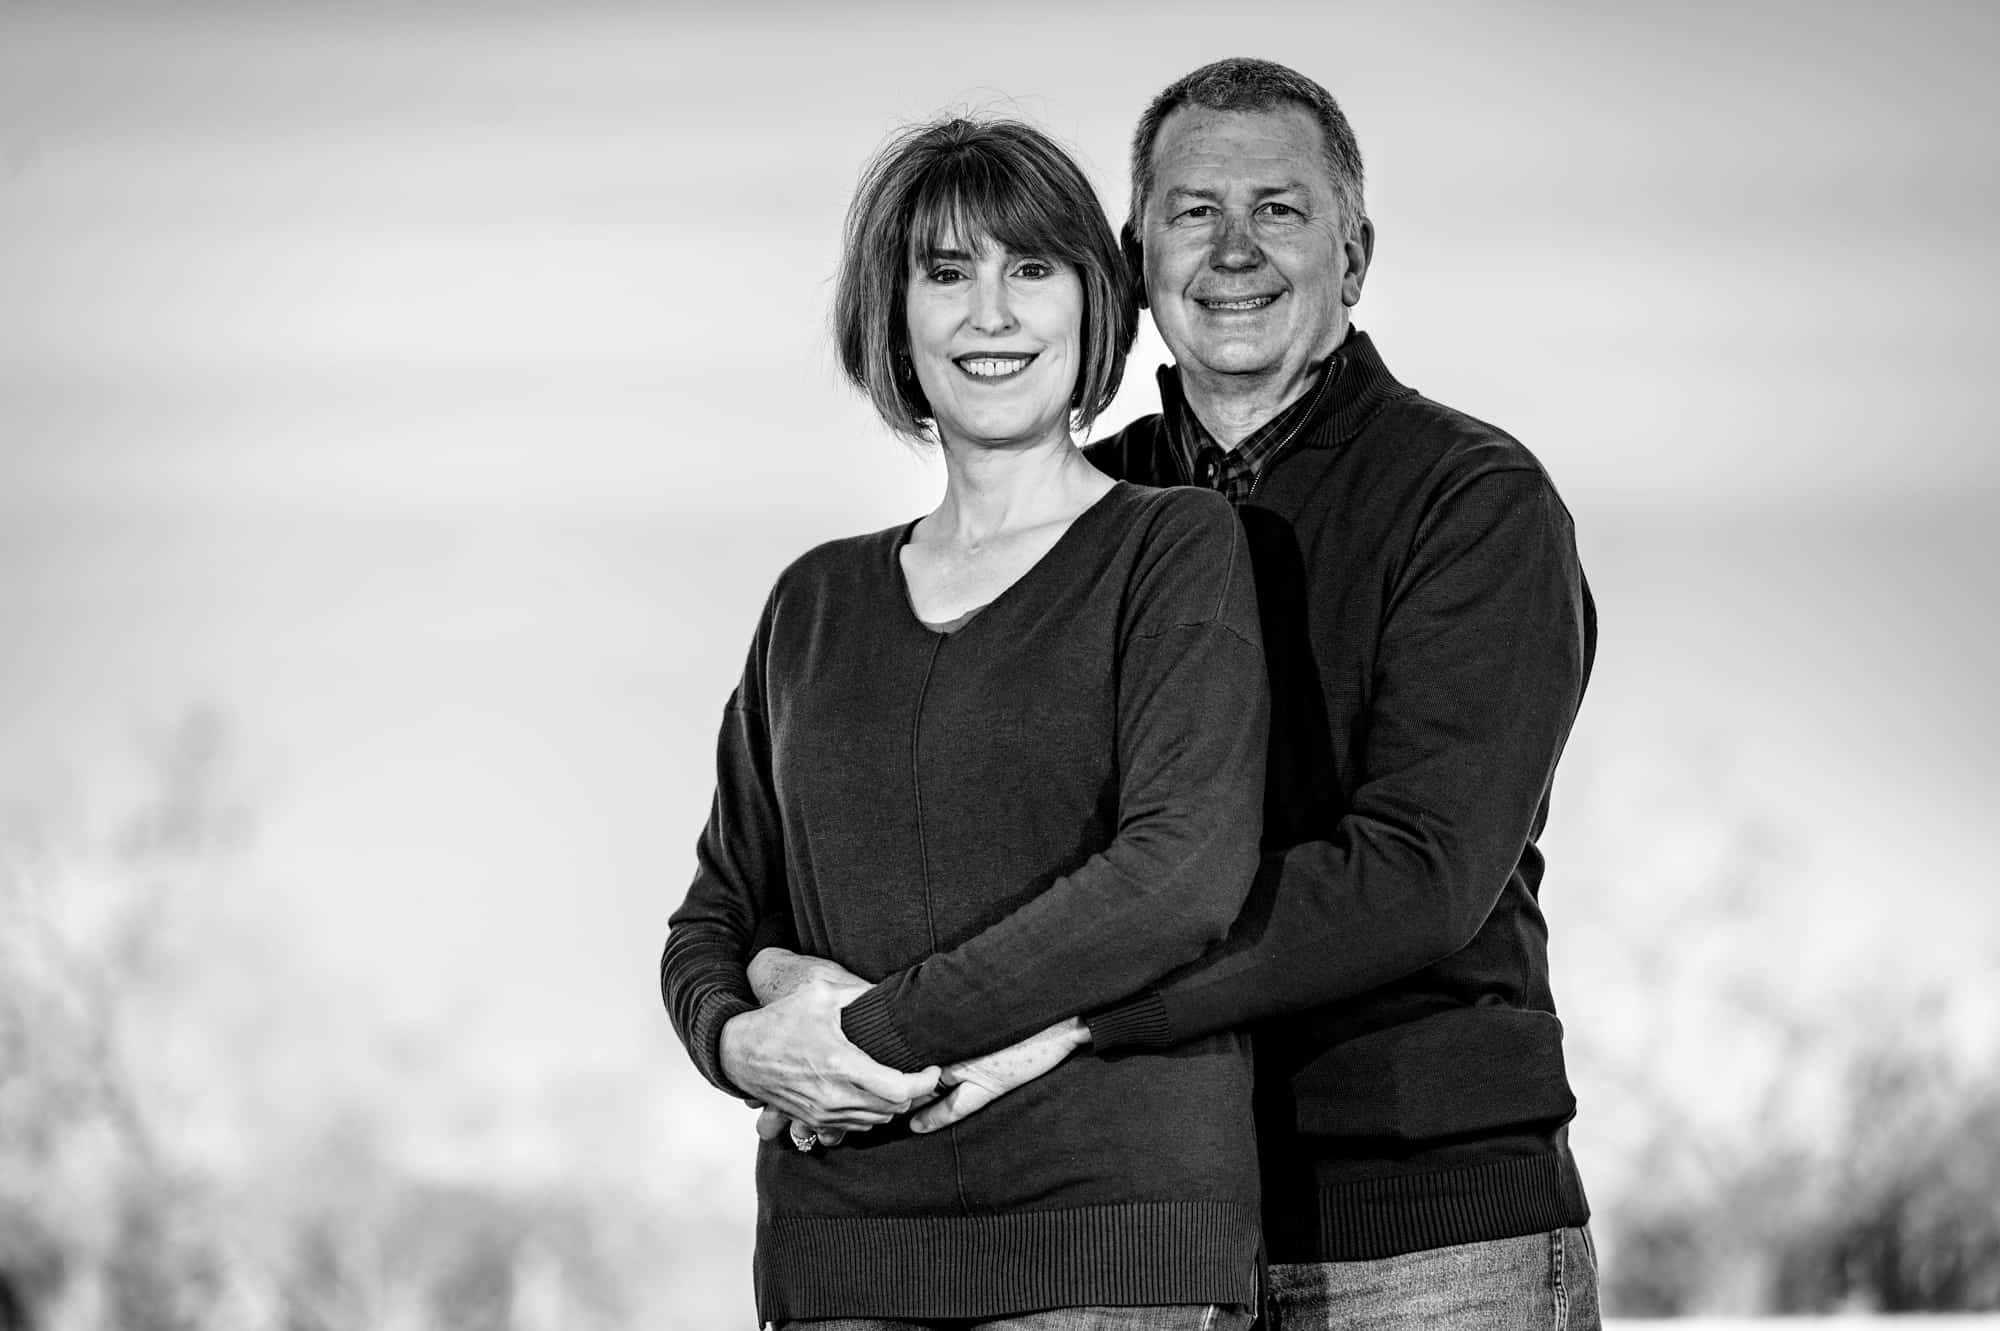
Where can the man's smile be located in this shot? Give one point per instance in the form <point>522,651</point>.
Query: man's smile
<point>1237,304</point>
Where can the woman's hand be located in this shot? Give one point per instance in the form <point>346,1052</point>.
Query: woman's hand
<point>978,1082</point>
<point>791,1056</point>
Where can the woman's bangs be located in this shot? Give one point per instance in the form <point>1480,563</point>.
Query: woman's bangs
<point>970,202</point>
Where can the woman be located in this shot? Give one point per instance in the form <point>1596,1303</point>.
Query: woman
<point>1006,762</point>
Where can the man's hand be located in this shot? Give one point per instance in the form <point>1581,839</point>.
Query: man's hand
<point>792,1057</point>
<point>776,971</point>
<point>978,1082</point>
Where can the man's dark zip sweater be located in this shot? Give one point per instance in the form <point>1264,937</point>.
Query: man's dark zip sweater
<point>1429,633</point>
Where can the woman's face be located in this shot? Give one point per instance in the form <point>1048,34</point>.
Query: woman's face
<point>997,342</point>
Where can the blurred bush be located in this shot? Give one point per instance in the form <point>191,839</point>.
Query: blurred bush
<point>144,1186</point>
<point>1896,1208</point>
<point>1907,1209</point>
<point>1788,1099</point>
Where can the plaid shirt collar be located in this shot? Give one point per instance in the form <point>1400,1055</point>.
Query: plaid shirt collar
<point>1234,471</point>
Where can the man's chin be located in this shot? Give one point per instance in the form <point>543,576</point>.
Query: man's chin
<point>1233,362</point>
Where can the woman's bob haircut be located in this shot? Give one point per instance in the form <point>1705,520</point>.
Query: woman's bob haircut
<point>960,183</point>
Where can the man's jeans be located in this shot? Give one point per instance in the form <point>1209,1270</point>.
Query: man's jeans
<point>1178,1317</point>
<point>1544,1282</point>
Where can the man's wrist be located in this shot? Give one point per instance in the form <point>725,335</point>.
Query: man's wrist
<point>1137,1023</point>
<point>870,1024</point>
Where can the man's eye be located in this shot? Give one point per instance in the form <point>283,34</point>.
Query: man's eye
<point>1281,210</point>
<point>1199,211</point>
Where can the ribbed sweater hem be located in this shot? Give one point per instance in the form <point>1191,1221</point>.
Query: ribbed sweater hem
<point>993,1265</point>
<point>1372,1218</point>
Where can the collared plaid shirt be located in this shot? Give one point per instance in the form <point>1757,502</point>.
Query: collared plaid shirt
<point>1233,471</point>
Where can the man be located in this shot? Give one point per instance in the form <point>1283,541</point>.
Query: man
<point>1429,634</point>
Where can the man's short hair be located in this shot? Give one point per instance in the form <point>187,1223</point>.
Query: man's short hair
<point>961,182</point>
<point>1242,83</point>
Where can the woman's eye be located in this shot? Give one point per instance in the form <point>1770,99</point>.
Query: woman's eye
<point>1034,269</point>
<point>946,275</point>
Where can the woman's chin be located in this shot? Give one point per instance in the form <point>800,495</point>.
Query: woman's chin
<point>1004,434</point>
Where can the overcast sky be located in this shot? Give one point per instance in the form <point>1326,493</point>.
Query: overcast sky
<point>352,255</point>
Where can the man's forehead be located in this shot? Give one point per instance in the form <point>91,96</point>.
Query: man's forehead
<point>1282,143</point>
<point>1282,120</point>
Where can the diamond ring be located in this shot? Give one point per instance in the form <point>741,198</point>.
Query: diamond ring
<point>805,1141</point>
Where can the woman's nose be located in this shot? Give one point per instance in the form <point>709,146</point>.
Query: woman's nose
<point>992,311</point>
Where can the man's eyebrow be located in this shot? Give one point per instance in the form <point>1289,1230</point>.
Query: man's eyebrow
<point>1256,191</point>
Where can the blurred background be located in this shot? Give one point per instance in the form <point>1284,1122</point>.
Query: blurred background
<point>404,409</point>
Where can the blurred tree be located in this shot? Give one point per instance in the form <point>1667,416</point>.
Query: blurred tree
<point>1766,1136</point>
<point>92,1214</point>
<point>111,1217</point>
<point>1913,1220</point>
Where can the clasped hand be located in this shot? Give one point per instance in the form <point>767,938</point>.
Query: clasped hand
<point>791,1056</point>
<point>808,1076</point>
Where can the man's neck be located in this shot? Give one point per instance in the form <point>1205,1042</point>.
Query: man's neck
<point>1231,414</point>
<point>1232,407</point>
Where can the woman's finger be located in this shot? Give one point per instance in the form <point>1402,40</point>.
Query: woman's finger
<point>965,1099</point>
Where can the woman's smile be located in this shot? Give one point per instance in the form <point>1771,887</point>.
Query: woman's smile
<point>995,365</point>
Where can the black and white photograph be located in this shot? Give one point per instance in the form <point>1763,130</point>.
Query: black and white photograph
<point>1062,667</point>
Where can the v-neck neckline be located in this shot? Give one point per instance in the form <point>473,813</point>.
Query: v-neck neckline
<point>985,612</point>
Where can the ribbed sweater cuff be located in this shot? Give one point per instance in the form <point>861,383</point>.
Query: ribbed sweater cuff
<point>1136,1024</point>
<point>871,1025</point>
<point>705,1040</point>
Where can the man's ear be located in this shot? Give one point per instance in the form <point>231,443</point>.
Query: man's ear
<point>1360,249</point>
<point>1135,259</point>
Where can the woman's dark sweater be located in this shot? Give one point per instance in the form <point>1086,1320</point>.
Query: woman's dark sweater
<point>1004,826</point>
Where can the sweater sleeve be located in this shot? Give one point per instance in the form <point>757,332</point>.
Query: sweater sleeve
<point>1192,719</point>
<point>1485,648</point>
<point>738,897</point>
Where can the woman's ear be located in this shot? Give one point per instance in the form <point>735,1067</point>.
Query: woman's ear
<point>1135,262</point>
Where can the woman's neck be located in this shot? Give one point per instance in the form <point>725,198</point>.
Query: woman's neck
<point>992,493</point>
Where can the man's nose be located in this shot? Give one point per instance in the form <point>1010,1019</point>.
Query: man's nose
<point>992,310</point>
<point>1235,244</point>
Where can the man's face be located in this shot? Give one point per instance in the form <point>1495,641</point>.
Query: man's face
<point>1245,268</point>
